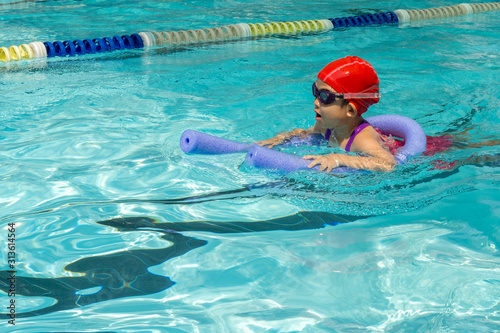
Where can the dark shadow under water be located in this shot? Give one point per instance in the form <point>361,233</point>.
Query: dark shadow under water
<point>125,273</point>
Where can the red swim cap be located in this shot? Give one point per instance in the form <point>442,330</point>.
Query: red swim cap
<point>352,75</point>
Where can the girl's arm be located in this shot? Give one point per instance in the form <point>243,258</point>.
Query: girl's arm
<point>367,142</point>
<point>330,161</point>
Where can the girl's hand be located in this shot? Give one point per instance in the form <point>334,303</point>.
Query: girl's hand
<point>278,139</point>
<point>328,162</point>
<point>272,141</point>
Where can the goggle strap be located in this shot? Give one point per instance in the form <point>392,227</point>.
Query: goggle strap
<point>359,95</point>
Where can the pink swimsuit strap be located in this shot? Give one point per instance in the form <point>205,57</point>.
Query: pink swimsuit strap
<point>364,124</point>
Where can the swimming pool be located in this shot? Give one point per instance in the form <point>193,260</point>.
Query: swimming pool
<point>90,156</point>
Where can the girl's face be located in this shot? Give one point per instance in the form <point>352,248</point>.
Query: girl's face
<point>331,115</point>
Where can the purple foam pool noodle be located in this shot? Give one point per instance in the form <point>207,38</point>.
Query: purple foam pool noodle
<point>399,126</point>
<point>405,128</point>
<point>200,143</point>
<point>261,157</point>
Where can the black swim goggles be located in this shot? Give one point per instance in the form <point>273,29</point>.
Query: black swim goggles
<point>328,97</point>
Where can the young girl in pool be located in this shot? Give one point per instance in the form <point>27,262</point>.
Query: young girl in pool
<point>344,90</point>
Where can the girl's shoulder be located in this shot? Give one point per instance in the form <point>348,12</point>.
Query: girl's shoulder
<point>366,139</point>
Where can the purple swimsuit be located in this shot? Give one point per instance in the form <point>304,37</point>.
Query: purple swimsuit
<point>364,124</point>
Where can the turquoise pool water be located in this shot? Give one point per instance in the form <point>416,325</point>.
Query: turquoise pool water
<point>89,156</point>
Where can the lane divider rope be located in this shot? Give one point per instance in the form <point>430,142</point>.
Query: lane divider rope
<point>151,39</point>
